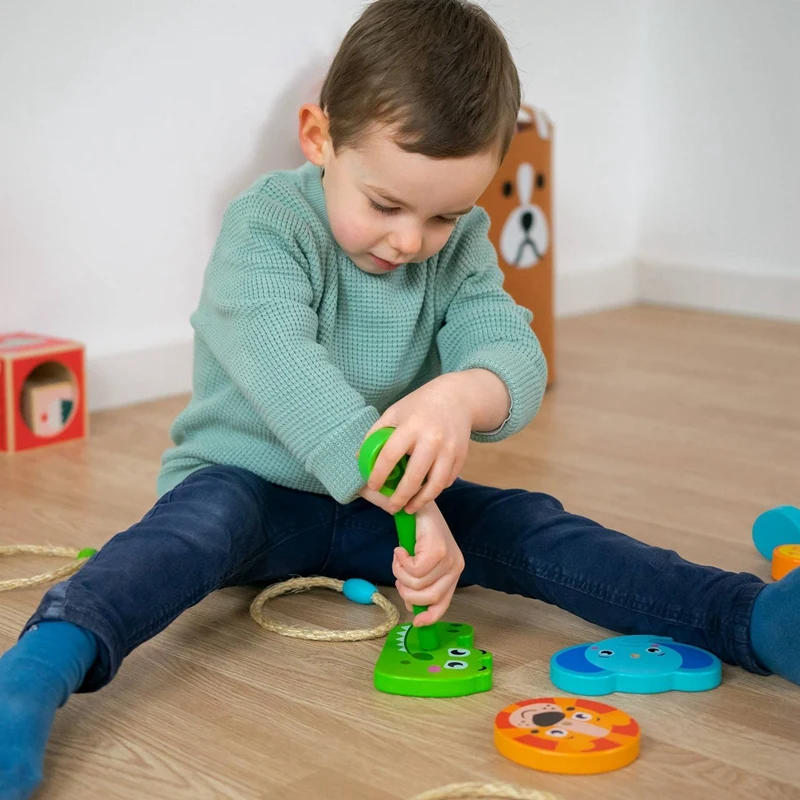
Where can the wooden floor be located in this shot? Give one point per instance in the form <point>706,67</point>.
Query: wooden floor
<point>676,427</point>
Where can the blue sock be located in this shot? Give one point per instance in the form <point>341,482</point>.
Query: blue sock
<point>37,677</point>
<point>775,627</point>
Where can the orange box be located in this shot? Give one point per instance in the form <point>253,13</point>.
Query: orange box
<point>42,391</point>
<point>519,204</point>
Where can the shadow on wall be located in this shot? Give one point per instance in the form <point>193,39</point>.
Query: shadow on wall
<point>277,146</point>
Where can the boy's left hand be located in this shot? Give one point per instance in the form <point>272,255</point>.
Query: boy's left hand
<point>433,425</point>
<point>430,576</point>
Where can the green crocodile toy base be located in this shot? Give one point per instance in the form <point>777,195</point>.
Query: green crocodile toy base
<point>454,669</point>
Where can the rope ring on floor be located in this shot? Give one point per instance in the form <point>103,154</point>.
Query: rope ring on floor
<point>321,634</point>
<point>78,556</point>
<point>473,791</point>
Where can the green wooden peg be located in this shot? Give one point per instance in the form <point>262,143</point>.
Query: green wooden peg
<point>405,523</point>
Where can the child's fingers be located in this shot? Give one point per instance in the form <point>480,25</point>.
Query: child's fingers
<point>416,470</point>
<point>436,611</point>
<point>430,595</point>
<point>376,498</point>
<point>395,448</point>
<point>412,582</point>
<point>438,481</point>
<point>399,587</point>
<point>387,420</point>
<point>425,560</point>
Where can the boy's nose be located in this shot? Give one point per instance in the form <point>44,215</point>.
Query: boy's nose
<point>406,242</point>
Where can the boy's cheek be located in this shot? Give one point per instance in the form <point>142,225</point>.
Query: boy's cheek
<point>351,235</point>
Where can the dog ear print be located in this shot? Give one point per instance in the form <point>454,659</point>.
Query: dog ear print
<point>693,657</point>
<point>574,660</point>
<point>525,183</point>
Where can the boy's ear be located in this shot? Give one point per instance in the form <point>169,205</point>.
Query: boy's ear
<point>313,133</point>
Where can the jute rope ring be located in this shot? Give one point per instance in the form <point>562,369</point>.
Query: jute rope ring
<point>320,634</point>
<point>468,791</point>
<point>77,556</point>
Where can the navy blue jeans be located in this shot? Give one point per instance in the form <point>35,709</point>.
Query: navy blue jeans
<point>224,526</point>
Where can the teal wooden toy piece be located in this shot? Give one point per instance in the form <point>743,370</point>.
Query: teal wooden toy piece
<point>406,523</point>
<point>359,591</point>
<point>437,660</point>
<point>453,670</point>
<point>634,664</point>
<point>776,527</point>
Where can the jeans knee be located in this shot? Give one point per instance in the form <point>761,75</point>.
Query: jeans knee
<point>220,500</point>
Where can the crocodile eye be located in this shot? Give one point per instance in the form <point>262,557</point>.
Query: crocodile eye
<point>458,652</point>
<point>456,665</point>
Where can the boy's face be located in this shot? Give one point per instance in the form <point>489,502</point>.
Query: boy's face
<point>387,207</point>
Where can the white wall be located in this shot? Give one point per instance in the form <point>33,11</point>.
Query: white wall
<point>720,190</point>
<point>125,128</point>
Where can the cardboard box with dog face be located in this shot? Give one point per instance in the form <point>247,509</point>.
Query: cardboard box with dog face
<point>519,203</point>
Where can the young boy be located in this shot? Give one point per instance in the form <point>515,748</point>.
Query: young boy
<point>355,292</point>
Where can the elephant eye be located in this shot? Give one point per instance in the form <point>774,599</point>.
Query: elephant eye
<point>605,653</point>
<point>657,650</point>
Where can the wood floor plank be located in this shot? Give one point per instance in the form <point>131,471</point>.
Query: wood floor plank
<point>676,427</point>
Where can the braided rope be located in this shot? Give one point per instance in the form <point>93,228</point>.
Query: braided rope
<point>468,791</point>
<point>78,556</point>
<point>320,634</point>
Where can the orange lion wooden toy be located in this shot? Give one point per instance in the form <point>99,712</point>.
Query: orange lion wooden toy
<point>567,735</point>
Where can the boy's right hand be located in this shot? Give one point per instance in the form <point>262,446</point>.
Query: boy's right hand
<point>430,576</point>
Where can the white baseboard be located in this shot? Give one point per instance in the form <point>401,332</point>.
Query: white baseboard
<point>596,288</point>
<point>772,294</point>
<point>121,379</point>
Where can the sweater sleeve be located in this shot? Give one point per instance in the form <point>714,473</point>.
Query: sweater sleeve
<point>484,328</point>
<point>257,317</point>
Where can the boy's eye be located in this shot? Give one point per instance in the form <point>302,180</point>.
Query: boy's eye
<point>447,220</point>
<point>383,209</point>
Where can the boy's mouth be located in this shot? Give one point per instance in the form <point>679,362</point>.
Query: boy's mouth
<point>382,263</point>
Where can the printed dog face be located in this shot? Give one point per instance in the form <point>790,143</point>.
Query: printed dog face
<point>519,204</point>
<point>525,235</point>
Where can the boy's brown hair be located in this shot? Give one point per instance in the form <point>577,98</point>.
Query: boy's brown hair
<point>438,70</point>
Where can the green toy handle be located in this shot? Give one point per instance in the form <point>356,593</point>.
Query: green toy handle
<point>405,523</point>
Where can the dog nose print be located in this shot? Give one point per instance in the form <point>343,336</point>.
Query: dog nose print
<point>527,220</point>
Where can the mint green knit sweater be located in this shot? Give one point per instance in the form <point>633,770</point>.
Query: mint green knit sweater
<point>297,351</point>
